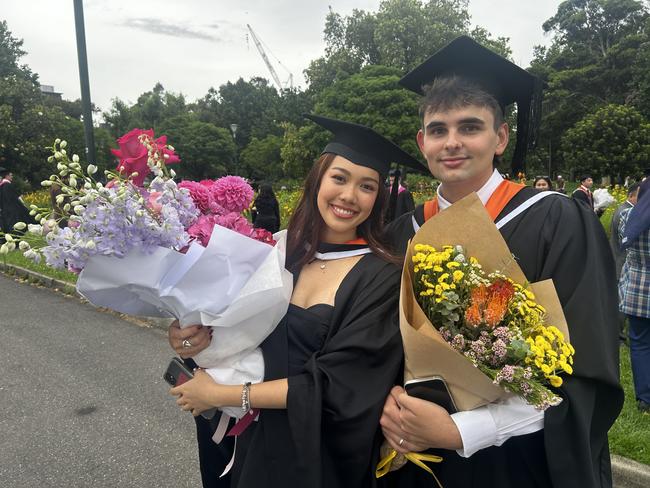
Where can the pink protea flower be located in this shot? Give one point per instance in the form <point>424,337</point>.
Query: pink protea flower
<point>200,195</point>
<point>233,193</point>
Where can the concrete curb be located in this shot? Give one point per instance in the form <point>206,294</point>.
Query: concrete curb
<point>625,472</point>
<point>629,474</point>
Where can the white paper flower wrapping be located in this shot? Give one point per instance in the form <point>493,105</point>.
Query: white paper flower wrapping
<point>237,285</point>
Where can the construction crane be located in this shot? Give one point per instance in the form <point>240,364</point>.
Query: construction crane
<point>274,74</point>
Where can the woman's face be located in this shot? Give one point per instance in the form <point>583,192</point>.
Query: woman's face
<point>542,184</point>
<point>345,199</point>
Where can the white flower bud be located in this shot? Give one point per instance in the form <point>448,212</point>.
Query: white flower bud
<point>4,249</point>
<point>50,159</point>
<point>75,158</point>
<point>63,144</point>
<point>74,203</point>
<point>58,155</point>
<point>42,221</point>
<point>166,156</point>
<point>73,180</point>
<point>52,224</point>
<point>79,209</point>
<point>92,169</point>
<point>170,147</point>
<point>20,225</point>
<point>90,245</point>
<point>11,246</point>
<point>57,141</point>
<point>59,199</point>
<point>66,207</point>
<point>99,186</point>
<point>24,246</point>
<point>61,166</point>
<point>34,229</point>
<point>9,238</point>
<point>87,186</point>
<point>46,183</point>
<point>31,254</point>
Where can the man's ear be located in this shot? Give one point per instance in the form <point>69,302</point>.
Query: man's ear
<point>503,136</point>
<point>420,140</point>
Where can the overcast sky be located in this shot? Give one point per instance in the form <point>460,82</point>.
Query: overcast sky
<point>191,45</point>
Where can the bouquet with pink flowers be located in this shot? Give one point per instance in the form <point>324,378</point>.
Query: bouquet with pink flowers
<point>144,245</point>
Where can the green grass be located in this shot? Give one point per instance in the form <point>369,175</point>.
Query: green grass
<point>630,435</point>
<point>16,258</point>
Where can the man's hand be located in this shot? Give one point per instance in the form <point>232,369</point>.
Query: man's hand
<point>412,425</point>
<point>198,336</point>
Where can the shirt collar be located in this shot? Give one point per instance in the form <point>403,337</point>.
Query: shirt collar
<point>484,193</point>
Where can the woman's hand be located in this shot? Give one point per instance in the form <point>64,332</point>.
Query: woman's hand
<point>199,338</point>
<point>198,394</point>
<point>412,425</point>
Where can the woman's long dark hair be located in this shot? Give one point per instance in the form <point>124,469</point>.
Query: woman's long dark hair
<point>306,224</point>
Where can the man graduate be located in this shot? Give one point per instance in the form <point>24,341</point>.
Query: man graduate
<point>465,89</point>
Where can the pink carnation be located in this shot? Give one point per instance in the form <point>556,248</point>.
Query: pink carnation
<point>201,229</point>
<point>236,222</point>
<point>233,193</point>
<point>200,195</point>
<point>263,235</point>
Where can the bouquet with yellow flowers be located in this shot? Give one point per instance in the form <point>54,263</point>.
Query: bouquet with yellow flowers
<point>492,321</point>
<point>469,316</point>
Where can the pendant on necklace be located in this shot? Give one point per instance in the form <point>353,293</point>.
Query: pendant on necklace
<point>322,266</point>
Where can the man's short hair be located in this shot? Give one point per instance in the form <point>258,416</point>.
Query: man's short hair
<point>584,177</point>
<point>453,92</point>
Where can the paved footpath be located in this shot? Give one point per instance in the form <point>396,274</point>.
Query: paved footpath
<point>82,400</point>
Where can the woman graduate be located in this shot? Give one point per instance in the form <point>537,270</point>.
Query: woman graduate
<point>334,357</point>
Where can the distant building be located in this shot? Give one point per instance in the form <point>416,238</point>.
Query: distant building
<point>48,90</point>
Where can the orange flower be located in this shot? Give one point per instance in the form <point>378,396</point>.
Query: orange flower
<point>489,304</point>
<point>478,299</point>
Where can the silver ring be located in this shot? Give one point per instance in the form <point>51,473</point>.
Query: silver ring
<point>401,441</point>
<point>187,344</point>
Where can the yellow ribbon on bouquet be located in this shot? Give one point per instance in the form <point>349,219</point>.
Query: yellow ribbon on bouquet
<point>416,458</point>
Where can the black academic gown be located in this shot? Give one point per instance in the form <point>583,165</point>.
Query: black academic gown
<point>12,210</point>
<point>562,239</point>
<point>329,434</point>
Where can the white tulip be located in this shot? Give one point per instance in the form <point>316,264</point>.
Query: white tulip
<point>63,144</point>
<point>4,249</point>
<point>20,225</point>
<point>75,158</point>
<point>92,169</point>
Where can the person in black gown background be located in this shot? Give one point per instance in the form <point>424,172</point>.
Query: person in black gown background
<point>266,210</point>
<point>509,444</point>
<point>337,352</point>
<point>12,209</point>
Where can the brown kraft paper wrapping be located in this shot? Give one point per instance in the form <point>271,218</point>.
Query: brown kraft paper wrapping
<point>468,224</point>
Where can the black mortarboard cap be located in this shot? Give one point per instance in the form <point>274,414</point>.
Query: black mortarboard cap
<point>363,146</point>
<point>4,171</point>
<point>507,82</point>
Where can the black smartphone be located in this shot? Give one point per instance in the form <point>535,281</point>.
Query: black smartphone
<point>177,372</point>
<point>432,389</point>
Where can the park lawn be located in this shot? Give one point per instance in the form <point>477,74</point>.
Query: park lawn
<point>630,435</point>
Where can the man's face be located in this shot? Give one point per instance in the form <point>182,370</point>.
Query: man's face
<point>634,196</point>
<point>588,183</point>
<point>460,144</point>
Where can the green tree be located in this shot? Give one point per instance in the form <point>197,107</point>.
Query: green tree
<point>401,34</point>
<point>613,141</point>
<point>260,160</point>
<point>206,151</point>
<point>592,61</point>
<point>372,98</point>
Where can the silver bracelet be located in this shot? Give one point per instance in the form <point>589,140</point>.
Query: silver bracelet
<point>246,397</point>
